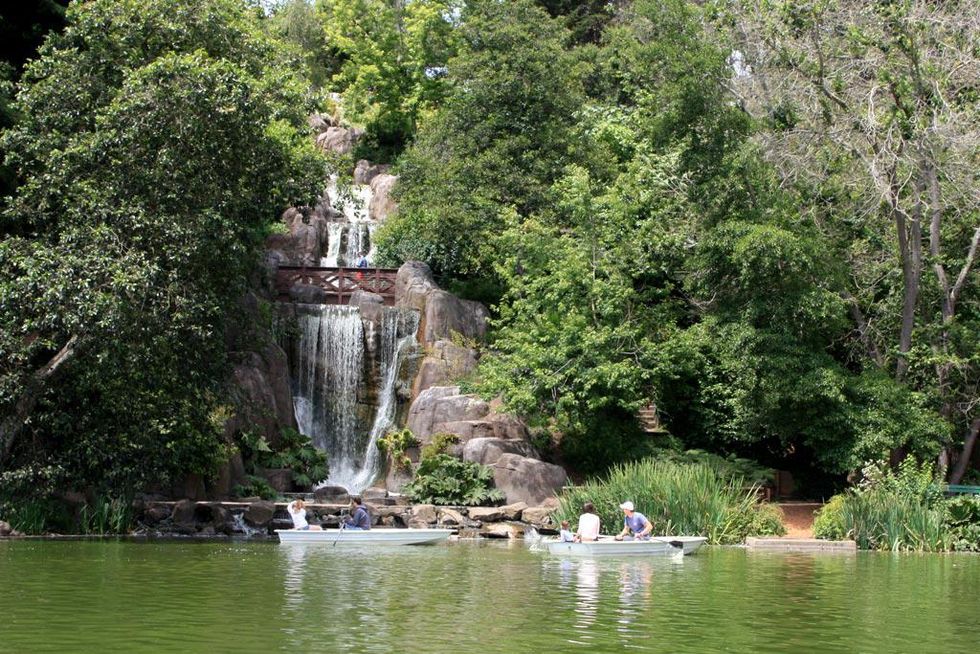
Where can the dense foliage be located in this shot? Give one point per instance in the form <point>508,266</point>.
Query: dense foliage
<point>678,499</point>
<point>441,478</point>
<point>760,217</point>
<point>901,510</point>
<point>157,141</point>
<point>656,228</point>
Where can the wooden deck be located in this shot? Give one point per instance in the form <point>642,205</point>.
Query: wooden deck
<point>339,283</point>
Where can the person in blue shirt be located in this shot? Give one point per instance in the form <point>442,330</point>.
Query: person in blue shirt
<point>636,526</point>
<point>359,519</point>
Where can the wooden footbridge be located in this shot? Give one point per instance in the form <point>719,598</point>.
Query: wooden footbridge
<point>338,283</point>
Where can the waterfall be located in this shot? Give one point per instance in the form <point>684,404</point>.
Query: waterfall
<point>335,232</point>
<point>329,370</point>
<point>329,355</point>
<point>356,241</point>
<point>394,323</point>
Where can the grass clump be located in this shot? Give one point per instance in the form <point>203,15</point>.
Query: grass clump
<point>680,499</point>
<point>901,510</point>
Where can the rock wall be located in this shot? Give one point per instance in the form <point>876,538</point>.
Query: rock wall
<point>260,518</point>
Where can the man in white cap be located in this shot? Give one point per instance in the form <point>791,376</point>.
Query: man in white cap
<point>635,524</point>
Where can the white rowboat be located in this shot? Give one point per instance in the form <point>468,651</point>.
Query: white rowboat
<point>357,538</point>
<point>607,546</point>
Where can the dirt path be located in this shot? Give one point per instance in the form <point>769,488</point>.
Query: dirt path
<point>798,518</point>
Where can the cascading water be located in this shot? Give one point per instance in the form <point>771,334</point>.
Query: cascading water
<point>335,232</point>
<point>394,323</point>
<point>329,356</point>
<point>330,367</point>
<point>358,227</point>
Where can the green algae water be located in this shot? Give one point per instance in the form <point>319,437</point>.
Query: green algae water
<point>85,596</point>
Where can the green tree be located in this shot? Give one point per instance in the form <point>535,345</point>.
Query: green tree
<point>135,231</point>
<point>394,57</point>
<point>871,116</point>
<point>502,136</point>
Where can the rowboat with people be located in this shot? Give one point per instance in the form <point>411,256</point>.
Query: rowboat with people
<point>365,538</point>
<point>609,546</point>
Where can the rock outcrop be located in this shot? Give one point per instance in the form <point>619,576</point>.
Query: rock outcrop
<point>339,140</point>
<point>523,479</point>
<point>365,171</point>
<point>437,409</point>
<point>382,199</point>
<point>444,363</point>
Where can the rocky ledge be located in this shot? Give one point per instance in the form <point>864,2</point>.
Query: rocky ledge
<point>260,518</point>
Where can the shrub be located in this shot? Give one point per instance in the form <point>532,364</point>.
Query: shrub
<point>829,523</point>
<point>962,518</point>
<point>255,486</point>
<point>395,444</point>
<point>296,452</point>
<point>679,499</point>
<point>900,510</point>
<point>443,479</point>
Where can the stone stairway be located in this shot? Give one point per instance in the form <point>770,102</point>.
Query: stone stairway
<point>649,419</point>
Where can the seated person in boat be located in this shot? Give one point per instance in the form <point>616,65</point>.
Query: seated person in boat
<point>359,519</point>
<point>297,511</point>
<point>636,526</point>
<point>566,535</point>
<point>588,524</point>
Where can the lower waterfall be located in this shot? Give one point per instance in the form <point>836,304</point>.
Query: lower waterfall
<point>344,392</point>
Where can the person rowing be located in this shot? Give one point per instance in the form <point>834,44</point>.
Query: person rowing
<point>636,526</point>
<point>361,519</point>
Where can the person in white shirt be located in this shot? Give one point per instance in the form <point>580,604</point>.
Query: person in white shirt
<point>297,511</point>
<point>588,524</point>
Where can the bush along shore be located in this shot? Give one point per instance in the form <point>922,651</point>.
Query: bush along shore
<point>902,510</point>
<point>679,499</point>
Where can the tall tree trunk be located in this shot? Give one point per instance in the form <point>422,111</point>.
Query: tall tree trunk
<point>12,424</point>
<point>909,228</point>
<point>966,454</point>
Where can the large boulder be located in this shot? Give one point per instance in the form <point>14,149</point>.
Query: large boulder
<point>365,171</point>
<point>527,480</point>
<point>340,140</point>
<point>413,284</point>
<point>6,531</point>
<point>382,199</point>
<point>539,516</point>
<point>265,401</point>
<point>435,407</point>
<point>260,514</point>
<point>447,316</point>
<point>307,293</point>
<point>320,122</point>
<point>487,451</point>
<point>371,308</point>
<point>444,363</point>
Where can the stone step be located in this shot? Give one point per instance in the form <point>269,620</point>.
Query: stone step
<point>800,545</point>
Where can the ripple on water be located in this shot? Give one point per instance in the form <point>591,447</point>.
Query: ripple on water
<point>208,597</point>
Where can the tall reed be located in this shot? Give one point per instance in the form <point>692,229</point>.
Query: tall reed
<point>884,520</point>
<point>679,499</point>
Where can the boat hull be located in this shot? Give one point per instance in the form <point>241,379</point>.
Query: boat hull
<point>355,538</point>
<point>658,545</point>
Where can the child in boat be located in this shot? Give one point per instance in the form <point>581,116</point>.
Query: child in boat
<point>566,535</point>
<point>297,511</point>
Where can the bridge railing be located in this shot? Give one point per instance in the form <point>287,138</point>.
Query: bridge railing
<point>338,283</point>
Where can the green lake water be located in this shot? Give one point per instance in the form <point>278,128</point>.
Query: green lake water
<point>85,596</point>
